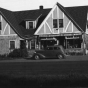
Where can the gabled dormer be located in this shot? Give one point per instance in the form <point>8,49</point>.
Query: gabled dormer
<point>30,24</point>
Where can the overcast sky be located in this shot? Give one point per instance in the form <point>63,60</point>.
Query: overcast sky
<point>16,5</point>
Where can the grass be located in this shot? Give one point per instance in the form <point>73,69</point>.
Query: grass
<point>44,74</point>
<point>45,81</point>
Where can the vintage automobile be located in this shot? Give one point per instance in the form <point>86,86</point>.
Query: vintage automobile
<point>50,52</point>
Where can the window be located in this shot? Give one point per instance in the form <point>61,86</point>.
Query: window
<point>32,44</point>
<point>29,24</point>
<point>12,44</point>
<point>60,23</point>
<point>55,23</point>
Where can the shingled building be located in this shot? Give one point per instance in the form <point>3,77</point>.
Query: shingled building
<point>37,29</point>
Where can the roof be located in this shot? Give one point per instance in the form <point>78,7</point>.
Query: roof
<point>78,16</point>
<point>10,18</point>
<point>72,18</point>
<point>15,19</point>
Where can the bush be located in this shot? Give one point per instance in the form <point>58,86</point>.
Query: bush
<point>18,53</point>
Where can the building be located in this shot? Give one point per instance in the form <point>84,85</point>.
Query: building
<point>37,29</point>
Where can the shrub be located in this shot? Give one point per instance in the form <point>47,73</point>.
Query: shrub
<point>3,56</point>
<point>18,53</point>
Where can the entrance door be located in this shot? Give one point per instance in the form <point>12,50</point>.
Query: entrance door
<point>22,44</point>
<point>61,40</point>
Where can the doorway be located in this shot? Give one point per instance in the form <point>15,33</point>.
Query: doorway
<point>22,44</point>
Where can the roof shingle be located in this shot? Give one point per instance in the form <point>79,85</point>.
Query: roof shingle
<point>78,14</point>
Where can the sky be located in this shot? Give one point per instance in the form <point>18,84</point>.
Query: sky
<point>17,5</point>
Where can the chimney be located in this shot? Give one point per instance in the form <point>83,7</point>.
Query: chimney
<point>41,7</point>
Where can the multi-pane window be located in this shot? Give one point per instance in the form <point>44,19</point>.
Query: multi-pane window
<point>12,44</point>
<point>60,23</point>
<point>55,23</point>
<point>31,44</point>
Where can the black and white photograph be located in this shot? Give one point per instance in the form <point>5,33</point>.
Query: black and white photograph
<point>43,44</point>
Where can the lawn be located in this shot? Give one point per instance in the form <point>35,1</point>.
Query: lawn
<point>72,71</point>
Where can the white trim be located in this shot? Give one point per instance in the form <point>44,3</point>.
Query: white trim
<point>30,44</point>
<point>1,18</point>
<point>57,13</point>
<point>9,35</point>
<point>67,26</point>
<point>35,23</point>
<point>39,28</point>
<point>26,25</point>
<point>38,17</point>
<point>44,28</point>
<point>49,27</point>
<point>1,25</point>
<point>72,19</point>
<point>72,27</point>
<point>35,44</point>
<point>20,38</point>
<point>11,25</point>
<point>14,41</point>
<point>9,29</point>
<point>4,28</point>
<point>63,22</point>
<point>26,44</point>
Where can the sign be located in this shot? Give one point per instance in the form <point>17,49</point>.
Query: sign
<point>63,34</point>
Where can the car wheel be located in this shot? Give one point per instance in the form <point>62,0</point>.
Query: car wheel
<point>60,56</point>
<point>37,57</point>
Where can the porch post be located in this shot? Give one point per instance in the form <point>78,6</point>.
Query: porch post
<point>35,43</point>
<point>27,44</point>
<point>66,43</point>
<point>84,46</point>
<point>30,44</point>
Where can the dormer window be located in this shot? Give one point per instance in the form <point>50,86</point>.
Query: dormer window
<point>30,25</point>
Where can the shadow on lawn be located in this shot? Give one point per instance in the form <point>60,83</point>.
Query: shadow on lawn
<point>45,81</point>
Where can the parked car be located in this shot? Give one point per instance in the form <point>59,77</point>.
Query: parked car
<point>50,52</point>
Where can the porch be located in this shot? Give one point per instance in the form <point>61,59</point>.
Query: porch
<point>71,42</point>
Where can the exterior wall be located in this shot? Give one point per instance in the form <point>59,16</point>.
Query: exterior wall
<point>6,28</point>
<point>47,26</point>
<point>86,41</point>
<point>5,45</point>
<point>6,35</point>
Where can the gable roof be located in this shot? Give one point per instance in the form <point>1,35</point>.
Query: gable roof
<point>78,16</point>
<point>10,18</point>
<point>15,18</point>
<point>31,15</point>
<point>70,16</point>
